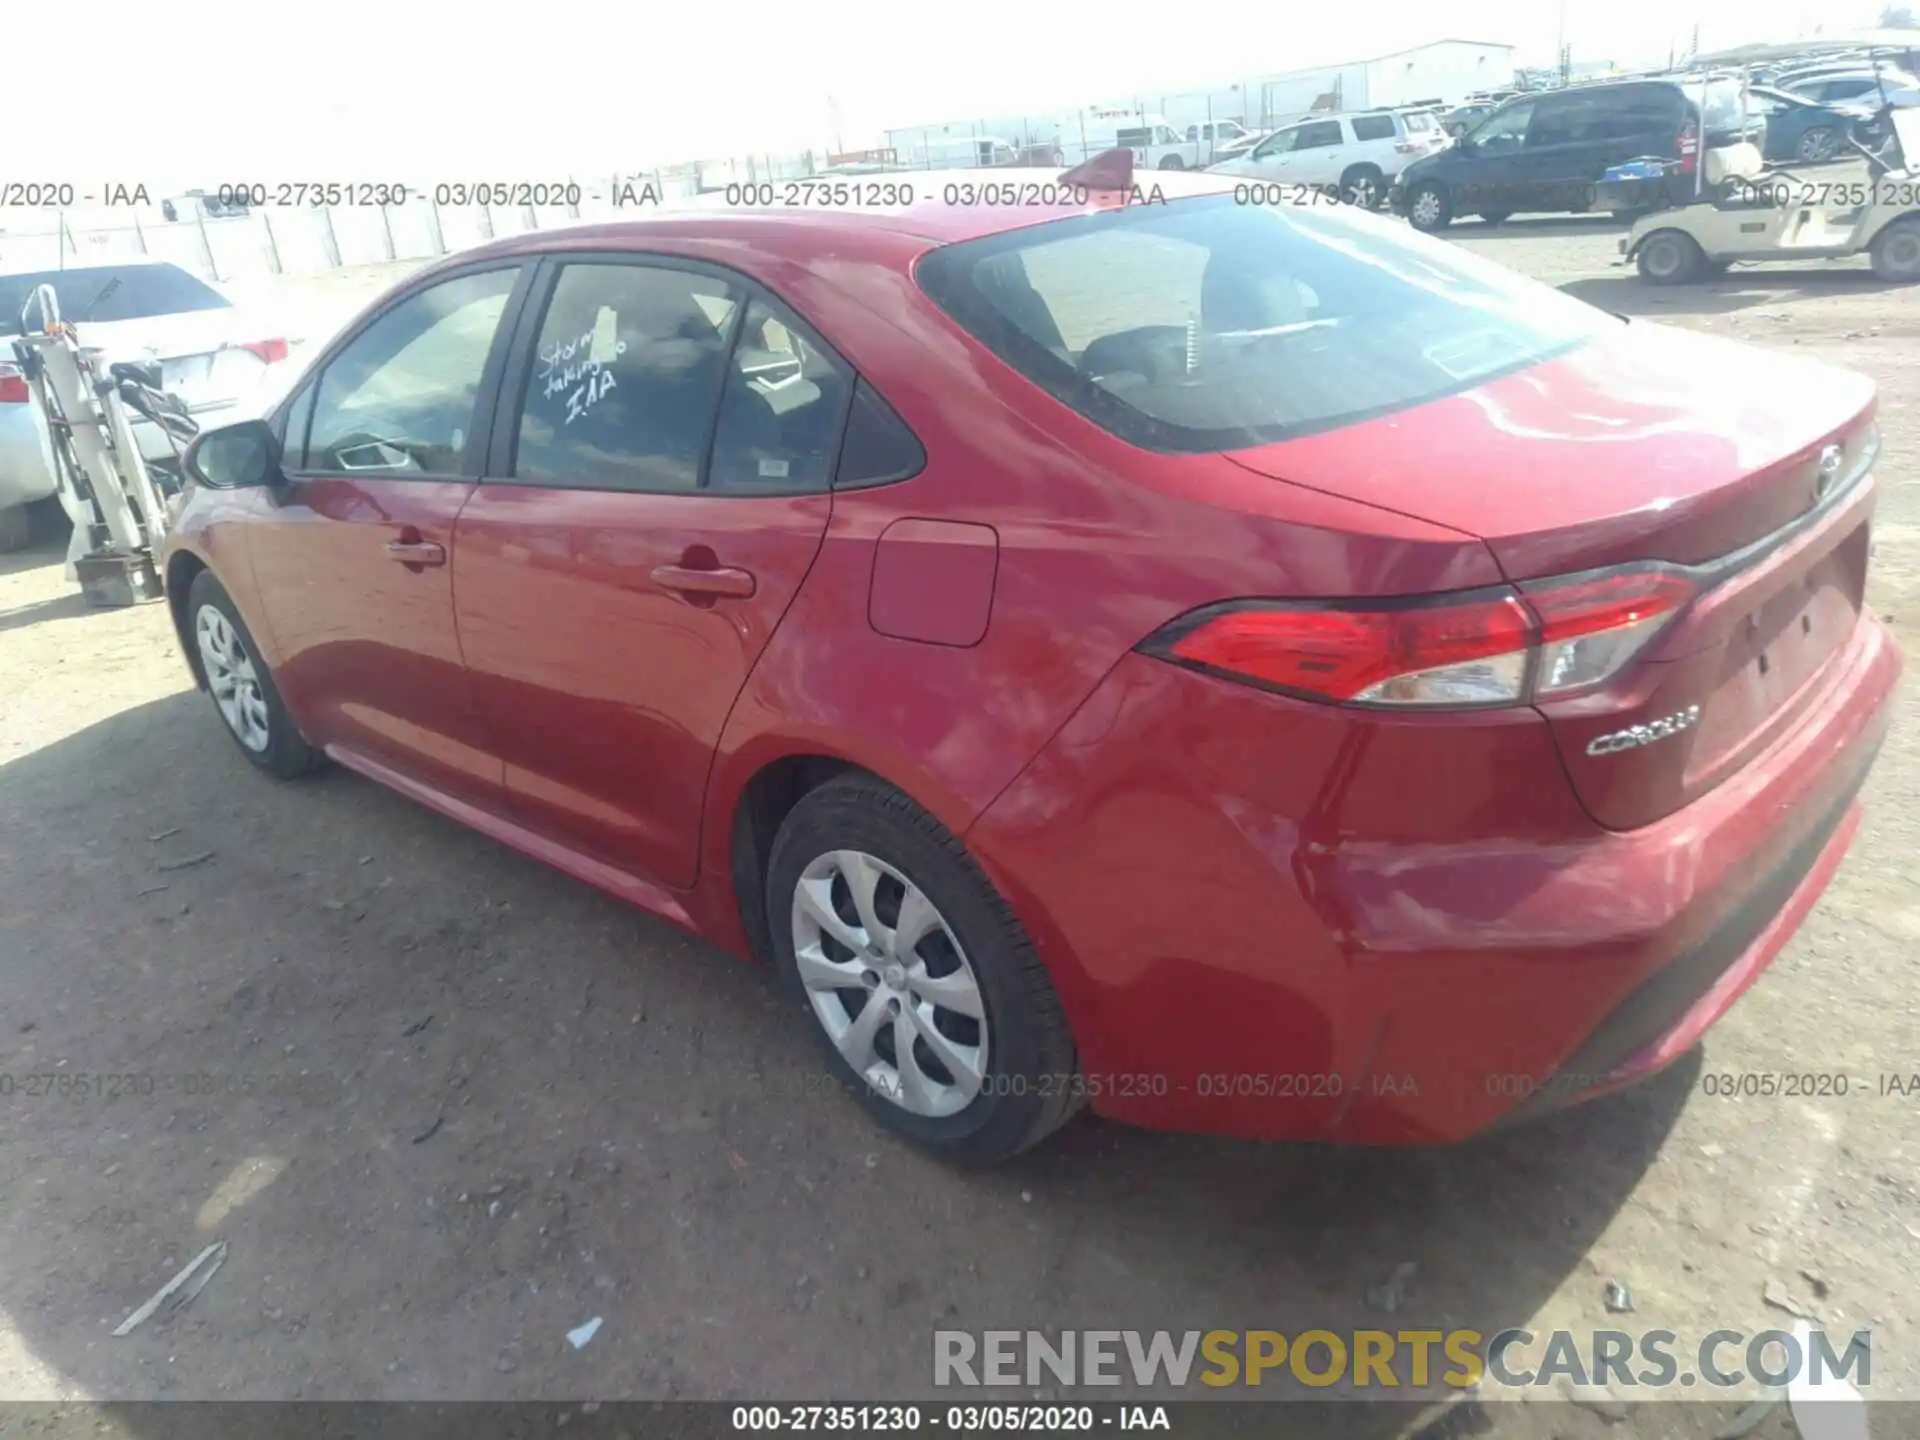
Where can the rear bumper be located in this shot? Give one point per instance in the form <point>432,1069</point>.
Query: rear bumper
<point>1272,919</point>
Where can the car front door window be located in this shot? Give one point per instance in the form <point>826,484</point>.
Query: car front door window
<point>1504,131</point>
<point>399,399</point>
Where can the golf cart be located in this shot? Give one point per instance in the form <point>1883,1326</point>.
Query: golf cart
<point>1743,211</point>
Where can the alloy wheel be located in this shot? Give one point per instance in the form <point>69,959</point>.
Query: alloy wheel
<point>1426,208</point>
<point>887,979</point>
<point>1818,145</point>
<point>232,679</point>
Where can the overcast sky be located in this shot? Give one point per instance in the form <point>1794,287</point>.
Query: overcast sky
<point>377,89</point>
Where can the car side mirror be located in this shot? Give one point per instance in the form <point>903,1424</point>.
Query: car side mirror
<point>234,457</point>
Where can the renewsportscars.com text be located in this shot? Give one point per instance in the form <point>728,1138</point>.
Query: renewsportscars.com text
<point>1394,1359</point>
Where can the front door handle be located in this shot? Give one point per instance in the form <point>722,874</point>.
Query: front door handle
<point>738,584</point>
<point>417,552</point>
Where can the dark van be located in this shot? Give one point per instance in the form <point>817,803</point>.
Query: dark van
<point>1546,151</point>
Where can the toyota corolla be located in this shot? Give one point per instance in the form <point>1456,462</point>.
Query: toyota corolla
<point>1246,669</point>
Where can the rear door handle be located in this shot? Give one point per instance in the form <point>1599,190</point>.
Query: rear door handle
<point>738,584</point>
<point>417,552</point>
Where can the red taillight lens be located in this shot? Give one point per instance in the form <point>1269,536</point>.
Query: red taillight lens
<point>1689,150</point>
<point>269,351</point>
<point>13,386</point>
<point>1470,650</point>
<point>1488,647</point>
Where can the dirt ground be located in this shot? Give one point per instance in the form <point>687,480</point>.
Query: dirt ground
<point>459,1104</point>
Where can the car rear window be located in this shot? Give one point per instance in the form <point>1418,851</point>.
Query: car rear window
<point>1419,121</point>
<point>1206,325</point>
<point>89,292</point>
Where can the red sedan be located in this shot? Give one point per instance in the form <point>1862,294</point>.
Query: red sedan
<point>1251,669</point>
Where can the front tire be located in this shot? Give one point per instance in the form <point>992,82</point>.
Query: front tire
<point>1670,257</point>
<point>915,975</point>
<point>1895,252</point>
<point>1429,208</point>
<point>241,686</point>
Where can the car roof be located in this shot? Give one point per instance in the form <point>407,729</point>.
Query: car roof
<point>926,218</point>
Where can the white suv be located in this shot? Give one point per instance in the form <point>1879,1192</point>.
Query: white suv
<point>1358,153</point>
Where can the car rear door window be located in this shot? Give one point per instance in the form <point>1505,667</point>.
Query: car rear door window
<point>782,410</point>
<point>399,400</point>
<point>1319,135</point>
<point>626,378</point>
<point>1373,127</point>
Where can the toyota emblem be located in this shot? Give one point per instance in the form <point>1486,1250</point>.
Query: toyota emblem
<point>1829,472</point>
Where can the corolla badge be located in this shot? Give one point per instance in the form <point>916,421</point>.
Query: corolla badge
<point>1829,472</point>
<point>1635,736</point>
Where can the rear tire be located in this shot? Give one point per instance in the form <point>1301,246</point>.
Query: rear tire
<point>1172,162</point>
<point>16,529</point>
<point>1670,257</point>
<point>1496,217</point>
<point>860,848</point>
<point>1429,207</point>
<point>1896,251</point>
<point>1818,145</point>
<point>241,686</point>
<point>1364,186</point>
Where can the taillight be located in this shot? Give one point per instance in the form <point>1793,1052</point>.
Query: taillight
<point>13,386</point>
<point>1477,648</point>
<point>1689,146</point>
<point>1592,625</point>
<point>269,351</point>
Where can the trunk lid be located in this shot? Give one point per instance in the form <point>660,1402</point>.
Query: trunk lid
<point>1661,445</point>
<point>199,352</point>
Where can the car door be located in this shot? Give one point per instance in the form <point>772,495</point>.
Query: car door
<point>1375,138</point>
<point>1563,148</point>
<point>1319,153</point>
<point>1272,158</point>
<point>352,553</point>
<point>658,487</point>
<point>1490,163</point>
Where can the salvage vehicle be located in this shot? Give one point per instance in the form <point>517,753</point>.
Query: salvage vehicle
<point>1239,668</point>
<point>1807,131</point>
<point>1547,152</point>
<point>1354,156</point>
<point>213,354</point>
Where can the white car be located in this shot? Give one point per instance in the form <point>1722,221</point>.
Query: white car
<point>1359,154</point>
<point>213,355</point>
